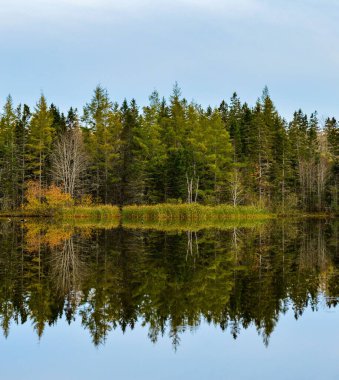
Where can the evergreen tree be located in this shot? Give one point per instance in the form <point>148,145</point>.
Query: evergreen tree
<point>218,156</point>
<point>131,174</point>
<point>103,124</point>
<point>153,155</point>
<point>8,157</point>
<point>331,131</point>
<point>39,142</point>
<point>172,151</point>
<point>23,115</point>
<point>174,129</point>
<point>59,120</point>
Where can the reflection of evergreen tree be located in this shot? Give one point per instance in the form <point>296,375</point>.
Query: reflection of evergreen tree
<point>168,281</point>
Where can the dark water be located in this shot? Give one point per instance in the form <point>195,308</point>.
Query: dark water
<point>245,301</point>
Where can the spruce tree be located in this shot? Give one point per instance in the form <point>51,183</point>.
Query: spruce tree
<point>102,137</point>
<point>8,157</point>
<point>39,142</point>
<point>23,115</point>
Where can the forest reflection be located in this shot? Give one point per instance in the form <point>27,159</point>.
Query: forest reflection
<point>169,280</point>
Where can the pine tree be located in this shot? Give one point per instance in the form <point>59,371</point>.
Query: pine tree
<point>152,150</point>
<point>23,119</point>
<point>131,175</point>
<point>39,142</point>
<point>234,127</point>
<point>331,131</point>
<point>102,138</point>
<point>8,157</point>
<point>218,156</point>
<point>174,130</point>
<point>59,120</point>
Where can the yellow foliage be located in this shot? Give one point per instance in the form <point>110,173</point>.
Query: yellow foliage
<point>56,198</point>
<point>46,201</point>
<point>51,235</point>
<point>33,195</point>
<point>86,200</point>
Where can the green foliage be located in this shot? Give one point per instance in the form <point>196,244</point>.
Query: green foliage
<point>91,212</point>
<point>8,156</point>
<point>103,141</point>
<point>39,141</point>
<point>174,151</point>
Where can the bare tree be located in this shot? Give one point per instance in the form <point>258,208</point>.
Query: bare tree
<point>192,185</point>
<point>69,160</point>
<point>323,169</point>
<point>236,187</point>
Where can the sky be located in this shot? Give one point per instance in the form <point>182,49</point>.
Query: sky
<point>303,349</point>
<point>64,48</point>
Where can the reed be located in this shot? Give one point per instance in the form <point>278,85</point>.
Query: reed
<point>192,212</point>
<point>91,212</point>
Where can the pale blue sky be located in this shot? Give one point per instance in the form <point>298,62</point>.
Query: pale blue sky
<point>211,47</point>
<point>306,349</point>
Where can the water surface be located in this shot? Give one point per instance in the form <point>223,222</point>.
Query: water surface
<point>242,301</point>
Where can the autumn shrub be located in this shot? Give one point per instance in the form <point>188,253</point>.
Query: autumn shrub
<point>48,201</point>
<point>33,195</point>
<point>86,200</point>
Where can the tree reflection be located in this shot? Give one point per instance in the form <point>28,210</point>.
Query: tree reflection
<point>169,281</point>
<point>67,268</point>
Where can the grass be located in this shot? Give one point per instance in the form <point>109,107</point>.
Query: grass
<point>191,213</point>
<point>91,212</point>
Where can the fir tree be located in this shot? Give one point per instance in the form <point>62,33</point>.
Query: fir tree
<point>39,141</point>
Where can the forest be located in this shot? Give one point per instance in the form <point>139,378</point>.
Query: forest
<point>170,151</point>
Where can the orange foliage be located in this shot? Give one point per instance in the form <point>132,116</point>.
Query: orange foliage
<point>33,195</point>
<point>40,235</point>
<point>56,198</point>
<point>46,201</point>
<point>86,200</point>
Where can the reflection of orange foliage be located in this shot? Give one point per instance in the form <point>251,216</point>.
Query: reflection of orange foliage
<point>86,232</point>
<point>41,234</point>
<point>51,236</point>
<point>33,238</point>
<point>56,236</point>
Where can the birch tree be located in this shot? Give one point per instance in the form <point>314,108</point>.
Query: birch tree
<point>69,160</point>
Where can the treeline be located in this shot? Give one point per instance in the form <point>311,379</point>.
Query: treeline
<point>170,151</point>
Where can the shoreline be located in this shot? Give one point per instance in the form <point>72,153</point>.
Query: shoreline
<point>162,213</point>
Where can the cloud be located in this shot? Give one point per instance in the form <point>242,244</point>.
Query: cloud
<point>233,6</point>
<point>282,16</point>
<point>44,6</point>
<point>129,4</point>
<point>19,16</point>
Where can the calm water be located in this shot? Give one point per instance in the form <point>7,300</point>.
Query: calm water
<point>245,301</point>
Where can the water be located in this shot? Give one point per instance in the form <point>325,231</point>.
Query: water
<point>243,301</point>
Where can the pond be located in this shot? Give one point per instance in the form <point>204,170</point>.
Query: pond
<point>246,300</point>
